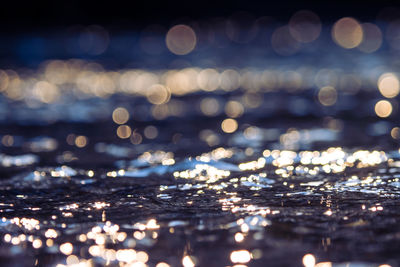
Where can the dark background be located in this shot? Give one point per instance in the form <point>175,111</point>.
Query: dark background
<point>22,16</point>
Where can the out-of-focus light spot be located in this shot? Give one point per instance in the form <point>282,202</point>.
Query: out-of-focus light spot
<point>328,213</point>
<point>229,125</point>
<point>81,141</point>
<point>388,85</point>
<point>283,42</point>
<point>57,72</point>
<point>120,115</point>
<point>208,79</point>
<point>4,80</point>
<point>150,132</point>
<point>383,108</point>
<point>46,92</point>
<point>239,237</point>
<point>142,256</point>
<point>209,106</point>
<point>309,260</point>
<point>66,248</point>
<point>160,112</point>
<point>181,82</point>
<point>256,254</point>
<point>72,259</point>
<point>327,96</point>
<point>234,109</point>
<point>37,243</point>
<point>126,255</point>
<point>229,80</point>
<point>372,38</point>
<point>71,139</point>
<point>347,33</point>
<point>189,261</point>
<point>305,26</point>
<point>181,39</point>
<point>158,94</point>
<point>240,256</point>
<point>136,138</point>
<point>252,100</point>
<point>395,133</point>
<point>162,264</point>
<point>124,131</point>
<point>324,264</point>
<point>51,233</point>
<point>49,242</point>
<point>7,140</point>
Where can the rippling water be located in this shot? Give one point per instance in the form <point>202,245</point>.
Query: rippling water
<point>285,163</point>
<point>267,194</point>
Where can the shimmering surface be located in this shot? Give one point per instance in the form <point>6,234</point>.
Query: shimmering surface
<point>289,164</point>
<point>246,200</point>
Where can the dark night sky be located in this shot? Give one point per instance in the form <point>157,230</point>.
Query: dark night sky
<point>24,16</point>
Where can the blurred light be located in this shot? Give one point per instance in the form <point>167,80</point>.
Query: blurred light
<point>120,115</point>
<point>372,38</point>
<point>347,33</point>
<point>395,133</point>
<point>239,237</point>
<point>181,39</point>
<point>4,80</point>
<point>66,248</point>
<point>309,260</point>
<point>72,259</point>
<point>188,261</point>
<point>81,141</point>
<point>160,112</point>
<point>150,132</point>
<point>305,26</point>
<point>208,79</point>
<point>46,92</point>
<point>251,100</point>
<point>383,108</point>
<point>158,94</point>
<point>57,72</point>
<point>209,106</point>
<point>7,140</point>
<point>388,85</point>
<point>234,109</point>
<point>240,256</point>
<point>37,243</point>
<point>327,96</point>
<point>229,125</point>
<point>230,80</point>
<point>124,131</point>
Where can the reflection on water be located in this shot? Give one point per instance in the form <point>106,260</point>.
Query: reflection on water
<point>241,203</point>
<point>284,163</point>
